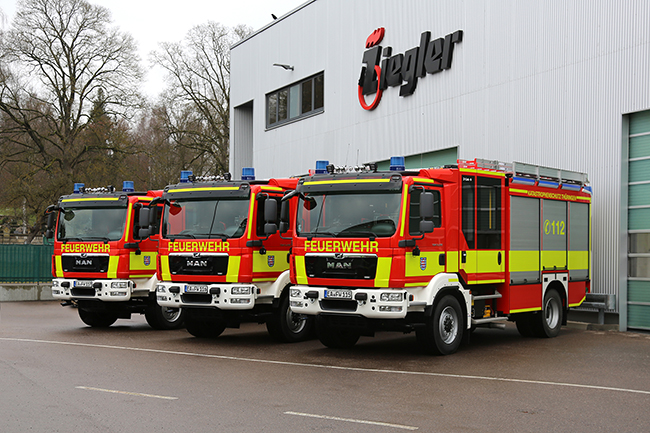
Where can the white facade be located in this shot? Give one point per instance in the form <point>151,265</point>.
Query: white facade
<point>548,83</point>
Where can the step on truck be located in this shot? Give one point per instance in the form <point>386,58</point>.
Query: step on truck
<point>439,251</point>
<point>221,259</point>
<point>100,264</point>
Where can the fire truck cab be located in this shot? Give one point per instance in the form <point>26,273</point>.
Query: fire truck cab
<point>100,264</point>
<point>221,259</point>
<point>439,251</point>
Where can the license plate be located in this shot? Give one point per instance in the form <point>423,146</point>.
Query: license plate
<point>83,283</point>
<point>338,294</point>
<point>196,288</point>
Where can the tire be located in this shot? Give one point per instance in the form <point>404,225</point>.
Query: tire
<point>202,328</point>
<point>288,327</point>
<point>164,318</point>
<point>97,319</point>
<point>524,324</point>
<point>548,323</point>
<point>443,331</point>
<point>335,338</point>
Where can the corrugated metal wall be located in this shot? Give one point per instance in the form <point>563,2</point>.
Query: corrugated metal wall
<point>540,82</point>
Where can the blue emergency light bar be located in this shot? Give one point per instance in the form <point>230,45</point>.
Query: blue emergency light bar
<point>185,175</point>
<point>321,167</point>
<point>78,187</point>
<point>128,186</point>
<point>397,163</point>
<point>247,173</point>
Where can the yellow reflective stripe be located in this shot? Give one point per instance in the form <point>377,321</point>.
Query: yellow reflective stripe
<point>404,218</point>
<point>525,310</point>
<point>113,262</point>
<point>145,198</point>
<point>59,266</point>
<point>263,280</point>
<point>487,261</point>
<point>250,216</point>
<point>486,281</point>
<point>91,199</point>
<point>554,258</point>
<point>383,271</point>
<point>523,261</point>
<point>424,283</point>
<point>210,188</point>
<point>136,262</point>
<point>301,272</point>
<point>578,259</point>
<point>432,267</point>
<point>233,269</point>
<point>129,220</point>
<point>261,262</point>
<point>271,188</point>
<point>584,198</point>
<point>579,303</point>
<point>164,268</point>
<point>423,180</point>
<point>452,261</point>
<point>477,171</point>
<point>519,191</point>
<point>327,182</point>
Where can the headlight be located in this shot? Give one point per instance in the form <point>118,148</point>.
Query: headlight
<point>160,289</point>
<point>295,293</point>
<point>55,284</point>
<point>119,284</point>
<point>241,291</point>
<point>391,297</point>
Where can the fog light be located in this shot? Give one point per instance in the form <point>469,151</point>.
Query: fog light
<point>161,298</point>
<point>390,308</point>
<point>295,293</point>
<point>120,293</point>
<point>240,301</point>
<point>391,297</point>
<point>56,292</point>
<point>241,291</point>
<point>296,304</point>
<point>119,284</point>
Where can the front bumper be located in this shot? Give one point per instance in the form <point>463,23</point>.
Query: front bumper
<point>369,303</point>
<point>223,296</point>
<point>113,290</point>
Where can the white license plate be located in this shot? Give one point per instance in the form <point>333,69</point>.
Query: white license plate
<point>196,288</point>
<point>83,283</point>
<point>338,294</point>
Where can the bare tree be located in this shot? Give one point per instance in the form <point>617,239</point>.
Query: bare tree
<point>57,56</point>
<point>198,98</point>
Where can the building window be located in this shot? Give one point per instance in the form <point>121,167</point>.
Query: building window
<point>295,101</point>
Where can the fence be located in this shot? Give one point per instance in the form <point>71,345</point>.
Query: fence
<point>25,263</point>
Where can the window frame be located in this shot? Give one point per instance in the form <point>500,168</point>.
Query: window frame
<point>275,97</point>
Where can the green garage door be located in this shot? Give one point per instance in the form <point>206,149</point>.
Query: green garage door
<point>638,223</point>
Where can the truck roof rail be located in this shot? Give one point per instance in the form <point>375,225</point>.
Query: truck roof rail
<point>529,171</point>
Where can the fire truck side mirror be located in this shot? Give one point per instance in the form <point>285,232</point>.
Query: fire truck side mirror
<point>51,221</point>
<point>284,217</point>
<point>143,217</point>
<point>426,212</point>
<point>270,216</point>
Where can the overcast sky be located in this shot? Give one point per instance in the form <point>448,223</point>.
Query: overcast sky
<point>154,21</point>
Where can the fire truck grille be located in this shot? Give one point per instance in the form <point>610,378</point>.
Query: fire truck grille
<point>77,263</point>
<point>193,298</point>
<point>82,292</point>
<point>357,268</point>
<point>198,265</point>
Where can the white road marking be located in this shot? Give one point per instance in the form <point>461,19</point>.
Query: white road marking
<point>335,367</point>
<point>137,394</point>
<point>358,421</point>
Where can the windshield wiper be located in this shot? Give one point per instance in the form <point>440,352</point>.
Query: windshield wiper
<point>182,236</point>
<point>223,236</point>
<point>320,234</point>
<point>352,233</point>
<point>96,238</point>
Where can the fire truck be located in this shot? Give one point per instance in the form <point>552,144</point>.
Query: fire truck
<point>439,251</point>
<point>221,259</point>
<point>100,264</point>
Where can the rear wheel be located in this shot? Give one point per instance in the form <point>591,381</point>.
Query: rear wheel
<point>548,323</point>
<point>335,338</point>
<point>164,317</point>
<point>524,324</point>
<point>287,326</point>
<point>97,319</point>
<point>443,331</point>
<point>203,328</point>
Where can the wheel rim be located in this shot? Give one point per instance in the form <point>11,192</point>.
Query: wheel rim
<point>295,322</point>
<point>552,313</point>
<point>448,325</point>
<point>171,314</point>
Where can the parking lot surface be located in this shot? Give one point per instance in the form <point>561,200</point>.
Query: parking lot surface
<point>58,375</point>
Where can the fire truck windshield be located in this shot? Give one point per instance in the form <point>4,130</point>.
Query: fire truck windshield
<point>92,224</point>
<point>205,218</point>
<point>349,215</point>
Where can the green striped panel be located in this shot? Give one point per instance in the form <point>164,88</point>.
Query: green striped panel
<point>640,122</point>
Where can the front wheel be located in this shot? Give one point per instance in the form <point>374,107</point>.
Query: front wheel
<point>97,319</point>
<point>287,326</point>
<point>202,328</point>
<point>164,317</point>
<point>335,338</point>
<point>443,331</point>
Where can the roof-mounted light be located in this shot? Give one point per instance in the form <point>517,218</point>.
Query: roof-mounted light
<point>397,163</point>
<point>78,188</point>
<point>185,175</point>
<point>128,186</point>
<point>247,173</point>
<point>321,167</point>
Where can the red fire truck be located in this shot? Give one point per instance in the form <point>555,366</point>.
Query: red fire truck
<point>218,263</point>
<point>440,251</point>
<point>100,264</point>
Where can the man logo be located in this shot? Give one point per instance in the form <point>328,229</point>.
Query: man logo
<point>147,260</point>
<point>423,263</point>
<point>271,261</point>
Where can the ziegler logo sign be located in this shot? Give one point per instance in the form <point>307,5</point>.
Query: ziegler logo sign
<point>402,70</point>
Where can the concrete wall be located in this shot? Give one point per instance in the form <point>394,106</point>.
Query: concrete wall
<point>27,292</point>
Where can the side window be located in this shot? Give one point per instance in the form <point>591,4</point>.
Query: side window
<point>488,221</point>
<point>414,211</point>
<point>468,210</point>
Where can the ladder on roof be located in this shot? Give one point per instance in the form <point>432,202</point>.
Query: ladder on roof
<point>529,171</point>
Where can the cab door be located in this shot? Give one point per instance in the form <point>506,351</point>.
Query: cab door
<point>482,255</point>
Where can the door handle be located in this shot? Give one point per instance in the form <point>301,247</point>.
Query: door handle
<point>499,258</point>
<point>463,257</point>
